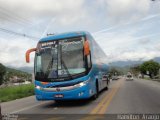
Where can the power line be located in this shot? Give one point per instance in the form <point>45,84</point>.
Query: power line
<point>11,15</point>
<point>19,34</point>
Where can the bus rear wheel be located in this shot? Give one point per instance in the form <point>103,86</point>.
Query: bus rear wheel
<point>107,84</point>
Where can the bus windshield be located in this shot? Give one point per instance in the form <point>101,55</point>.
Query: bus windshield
<point>60,60</point>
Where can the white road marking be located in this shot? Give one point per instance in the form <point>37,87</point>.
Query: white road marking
<point>26,108</point>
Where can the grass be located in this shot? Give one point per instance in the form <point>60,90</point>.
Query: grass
<point>16,92</point>
<point>147,78</point>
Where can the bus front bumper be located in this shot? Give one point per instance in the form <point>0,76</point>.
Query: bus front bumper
<point>83,92</point>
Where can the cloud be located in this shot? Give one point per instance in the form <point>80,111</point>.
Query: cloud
<point>124,27</point>
<point>127,10</point>
<point>12,52</point>
<point>41,8</point>
<point>70,12</point>
<point>144,41</point>
<point>125,45</point>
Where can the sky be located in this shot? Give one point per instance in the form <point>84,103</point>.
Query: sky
<point>124,29</point>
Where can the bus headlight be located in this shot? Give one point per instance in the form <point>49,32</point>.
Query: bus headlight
<point>38,87</point>
<point>83,83</point>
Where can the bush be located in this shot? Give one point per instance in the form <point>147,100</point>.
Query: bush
<point>2,73</point>
<point>16,92</point>
<point>151,66</point>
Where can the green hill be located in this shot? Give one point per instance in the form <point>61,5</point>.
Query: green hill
<point>13,75</point>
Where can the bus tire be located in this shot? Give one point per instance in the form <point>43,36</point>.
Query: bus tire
<point>106,88</point>
<point>58,101</point>
<point>95,96</point>
<point>107,84</point>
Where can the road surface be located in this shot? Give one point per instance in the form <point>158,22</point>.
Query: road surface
<point>122,97</point>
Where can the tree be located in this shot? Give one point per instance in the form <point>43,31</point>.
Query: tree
<point>135,70</point>
<point>150,67</point>
<point>114,71</point>
<point>2,73</point>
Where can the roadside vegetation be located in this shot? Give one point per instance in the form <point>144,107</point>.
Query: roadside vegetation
<point>2,73</point>
<point>14,84</point>
<point>10,75</point>
<point>15,92</point>
<point>147,70</point>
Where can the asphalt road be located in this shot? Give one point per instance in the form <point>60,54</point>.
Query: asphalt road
<point>123,97</point>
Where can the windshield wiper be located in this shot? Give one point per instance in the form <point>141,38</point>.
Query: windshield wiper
<point>53,72</point>
<point>66,68</point>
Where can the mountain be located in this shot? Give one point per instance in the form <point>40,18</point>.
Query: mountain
<point>16,71</point>
<point>116,63</point>
<point>125,63</point>
<point>24,69</point>
<point>130,62</point>
<point>13,75</point>
<point>157,59</point>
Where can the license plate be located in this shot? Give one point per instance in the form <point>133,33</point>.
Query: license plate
<point>58,96</point>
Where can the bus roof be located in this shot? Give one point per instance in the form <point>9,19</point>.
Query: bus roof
<point>64,35</point>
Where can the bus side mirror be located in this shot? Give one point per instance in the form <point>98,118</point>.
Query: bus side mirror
<point>86,48</point>
<point>28,54</point>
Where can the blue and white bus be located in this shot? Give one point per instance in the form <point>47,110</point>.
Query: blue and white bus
<point>69,66</point>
